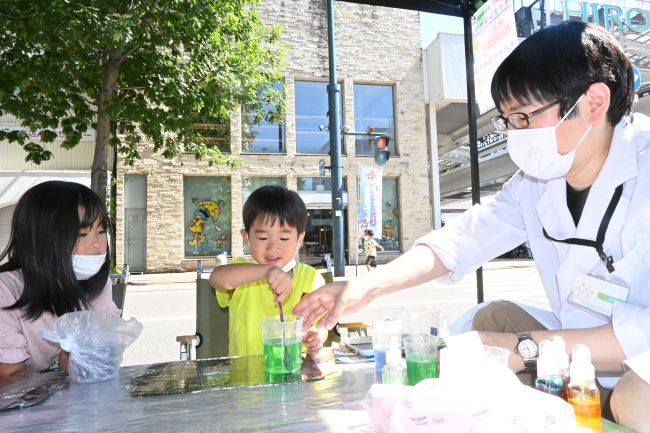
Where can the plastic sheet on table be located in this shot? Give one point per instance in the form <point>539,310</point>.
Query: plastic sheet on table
<point>29,388</point>
<point>218,373</point>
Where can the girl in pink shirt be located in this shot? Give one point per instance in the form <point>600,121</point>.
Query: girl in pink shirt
<point>57,262</point>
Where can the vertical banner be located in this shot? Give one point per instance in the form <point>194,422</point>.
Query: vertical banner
<point>369,213</point>
<point>494,36</point>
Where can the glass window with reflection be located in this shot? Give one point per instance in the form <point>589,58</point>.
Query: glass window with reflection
<point>250,184</point>
<point>390,215</point>
<point>214,132</point>
<point>373,108</point>
<point>317,184</point>
<point>263,136</point>
<point>312,134</point>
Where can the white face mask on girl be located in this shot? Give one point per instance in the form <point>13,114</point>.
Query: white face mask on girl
<point>535,150</point>
<point>85,267</point>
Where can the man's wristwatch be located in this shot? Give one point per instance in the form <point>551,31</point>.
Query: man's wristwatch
<point>527,349</point>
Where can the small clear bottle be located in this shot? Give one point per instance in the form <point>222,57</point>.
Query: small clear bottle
<point>548,373</point>
<point>394,371</point>
<point>582,391</point>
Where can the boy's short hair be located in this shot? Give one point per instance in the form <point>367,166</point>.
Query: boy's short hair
<point>275,203</point>
<point>370,233</point>
<point>560,62</point>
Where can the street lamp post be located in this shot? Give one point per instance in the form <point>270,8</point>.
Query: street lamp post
<point>333,92</point>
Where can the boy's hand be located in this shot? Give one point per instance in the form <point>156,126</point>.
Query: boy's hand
<point>280,282</point>
<point>314,339</point>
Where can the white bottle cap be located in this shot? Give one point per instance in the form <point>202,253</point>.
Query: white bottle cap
<point>581,369</point>
<point>394,354</point>
<point>547,361</point>
<point>443,329</point>
<point>560,352</point>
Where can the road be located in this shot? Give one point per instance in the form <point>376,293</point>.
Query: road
<point>166,303</point>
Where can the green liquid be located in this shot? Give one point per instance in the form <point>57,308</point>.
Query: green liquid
<point>282,359</point>
<point>419,369</point>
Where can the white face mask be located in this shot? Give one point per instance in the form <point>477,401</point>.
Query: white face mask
<point>85,267</point>
<point>535,150</point>
<point>289,266</point>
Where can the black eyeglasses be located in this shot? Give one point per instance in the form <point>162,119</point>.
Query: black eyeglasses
<point>518,120</point>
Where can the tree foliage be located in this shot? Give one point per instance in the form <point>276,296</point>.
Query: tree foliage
<point>148,69</point>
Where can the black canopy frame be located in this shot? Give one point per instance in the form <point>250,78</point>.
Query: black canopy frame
<point>458,8</point>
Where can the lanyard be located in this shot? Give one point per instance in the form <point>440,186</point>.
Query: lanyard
<point>600,237</point>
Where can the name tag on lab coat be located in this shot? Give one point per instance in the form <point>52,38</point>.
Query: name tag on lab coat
<point>597,295</point>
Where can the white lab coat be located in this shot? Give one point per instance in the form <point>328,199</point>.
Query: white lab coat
<point>525,204</point>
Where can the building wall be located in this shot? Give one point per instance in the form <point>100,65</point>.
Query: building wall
<point>374,45</point>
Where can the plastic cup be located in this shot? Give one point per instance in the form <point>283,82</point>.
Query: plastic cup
<point>497,354</point>
<point>282,344</point>
<point>421,357</point>
<point>382,332</point>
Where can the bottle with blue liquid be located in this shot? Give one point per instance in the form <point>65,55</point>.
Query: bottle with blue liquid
<point>549,379</point>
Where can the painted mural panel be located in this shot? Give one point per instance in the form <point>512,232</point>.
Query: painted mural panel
<point>208,215</point>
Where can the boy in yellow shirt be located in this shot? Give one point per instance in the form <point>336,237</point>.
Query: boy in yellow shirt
<point>274,227</point>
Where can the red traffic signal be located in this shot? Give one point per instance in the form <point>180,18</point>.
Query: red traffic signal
<point>382,154</point>
<point>381,142</point>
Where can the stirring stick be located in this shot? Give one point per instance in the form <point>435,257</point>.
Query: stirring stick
<point>284,337</point>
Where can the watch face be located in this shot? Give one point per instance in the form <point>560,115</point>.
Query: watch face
<point>527,348</point>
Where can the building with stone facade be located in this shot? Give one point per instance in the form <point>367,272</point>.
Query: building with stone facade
<point>173,212</point>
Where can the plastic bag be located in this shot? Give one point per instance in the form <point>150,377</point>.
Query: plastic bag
<point>95,342</point>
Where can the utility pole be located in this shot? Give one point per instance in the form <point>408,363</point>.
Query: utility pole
<point>333,93</point>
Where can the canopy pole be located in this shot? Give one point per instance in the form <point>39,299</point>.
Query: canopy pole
<point>468,11</point>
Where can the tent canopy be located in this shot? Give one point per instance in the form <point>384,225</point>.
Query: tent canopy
<point>442,7</point>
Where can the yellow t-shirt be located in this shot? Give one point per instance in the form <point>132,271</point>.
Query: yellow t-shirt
<point>252,301</point>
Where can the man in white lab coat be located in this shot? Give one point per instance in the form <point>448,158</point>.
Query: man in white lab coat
<point>581,201</point>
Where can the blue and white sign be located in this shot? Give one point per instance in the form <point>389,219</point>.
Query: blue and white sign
<point>637,78</point>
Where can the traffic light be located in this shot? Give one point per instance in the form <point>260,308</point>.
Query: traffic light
<point>380,144</point>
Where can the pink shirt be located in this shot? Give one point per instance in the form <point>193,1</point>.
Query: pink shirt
<point>20,338</point>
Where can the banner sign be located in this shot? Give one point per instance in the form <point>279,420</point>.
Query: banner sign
<point>494,36</point>
<point>370,200</point>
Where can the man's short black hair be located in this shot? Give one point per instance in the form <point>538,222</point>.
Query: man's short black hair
<point>560,62</point>
<point>275,203</point>
<point>370,233</point>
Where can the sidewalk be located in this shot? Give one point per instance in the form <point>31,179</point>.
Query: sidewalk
<point>166,303</point>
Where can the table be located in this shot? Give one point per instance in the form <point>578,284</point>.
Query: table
<point>332,404</point>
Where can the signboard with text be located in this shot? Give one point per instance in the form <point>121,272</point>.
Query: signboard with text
<point>494,36</point>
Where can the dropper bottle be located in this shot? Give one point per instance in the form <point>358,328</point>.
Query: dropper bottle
<point>394,371</point>
<point>548,374</point>
<point>582,391</point>
<point>563,362</point>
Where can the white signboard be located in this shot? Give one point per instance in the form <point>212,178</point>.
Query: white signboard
<point>494,36</point>
<point>89,135</point>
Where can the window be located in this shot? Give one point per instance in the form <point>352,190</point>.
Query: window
<point>373,107</point>
<point>265,136</point>
<point>390,215</point>
<point>318,184</point>
<point>214,132</point>
<point>311,115</point>
<point>207,215</point>
<point>250,184</point>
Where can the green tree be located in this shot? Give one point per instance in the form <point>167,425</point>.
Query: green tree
<point>148,69</point>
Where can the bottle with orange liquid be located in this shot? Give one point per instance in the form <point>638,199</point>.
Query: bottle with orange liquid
<point>583,392</point>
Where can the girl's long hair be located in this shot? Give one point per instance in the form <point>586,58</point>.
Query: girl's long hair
<point>44,232</point>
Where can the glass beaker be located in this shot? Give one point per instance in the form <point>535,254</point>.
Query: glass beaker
<point>421,357</point>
